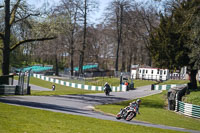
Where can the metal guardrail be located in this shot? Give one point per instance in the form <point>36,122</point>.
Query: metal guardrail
<point>188,109</point>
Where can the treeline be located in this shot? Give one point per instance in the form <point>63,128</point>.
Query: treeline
<point>115,43</point>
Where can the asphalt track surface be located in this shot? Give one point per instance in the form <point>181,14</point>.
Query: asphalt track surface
<point>83,104</point>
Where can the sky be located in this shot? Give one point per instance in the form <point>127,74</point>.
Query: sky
<point>94,18</point>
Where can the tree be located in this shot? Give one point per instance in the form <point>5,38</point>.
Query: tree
<point>174,43</point>
<point>116,16</point>
<point>87,7</point>
<point>69,9</point>
<point>12,17</point>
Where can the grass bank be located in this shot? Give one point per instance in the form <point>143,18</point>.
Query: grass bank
<point>17,119</point>
<point>174,82</point>
<point>153,110</point>
<point>193,97</point>
<point>60,89</point>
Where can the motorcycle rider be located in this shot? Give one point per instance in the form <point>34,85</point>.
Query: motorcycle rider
<point>137,104</point>
<point>107,86</point>
<point>132,105</point>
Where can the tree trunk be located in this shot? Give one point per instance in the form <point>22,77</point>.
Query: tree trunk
<point>123,61</point>
<point>193,80</point>
<point>72,62</point>
<point>84,41</point>
<point>56,65</point>
<point>129,62</point>
<point>119,34</point>
<point>6,41</point>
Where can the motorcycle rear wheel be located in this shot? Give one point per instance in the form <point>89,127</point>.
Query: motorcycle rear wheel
<point>118,117</point>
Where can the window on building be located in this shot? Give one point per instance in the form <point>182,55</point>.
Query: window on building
<point>158,71</point>
<point>151,71</point>
<point>161,72</point>
<point>146,71</point>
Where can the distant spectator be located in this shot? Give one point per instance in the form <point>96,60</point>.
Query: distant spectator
<point>126,83</point>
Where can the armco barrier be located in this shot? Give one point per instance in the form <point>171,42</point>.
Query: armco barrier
<point>80,86</point>
<point>164,87</point>
<point>188,109</point>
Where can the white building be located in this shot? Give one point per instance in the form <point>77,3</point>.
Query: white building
<point>150,73</point>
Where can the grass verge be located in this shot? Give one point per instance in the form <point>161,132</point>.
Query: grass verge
<point>60,89</point>
<point>153,110</point>
<point>100,81</point>
<point>193,97</point>
<point>17,119</point>
<point>174,82</point>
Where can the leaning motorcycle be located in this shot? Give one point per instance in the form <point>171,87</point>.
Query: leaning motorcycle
<point>128,114</point>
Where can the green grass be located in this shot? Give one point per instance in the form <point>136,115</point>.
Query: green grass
<point>175,82</point>
<point>60,89</point>
<point>153,110</point>
<point>17,119</point>
<point>100,81</point>
<point>139,83</point>
<point>193,98</point>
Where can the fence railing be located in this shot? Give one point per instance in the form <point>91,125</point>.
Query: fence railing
<point>80,86</point>
<point>188,109</point>
<point>165,87</point>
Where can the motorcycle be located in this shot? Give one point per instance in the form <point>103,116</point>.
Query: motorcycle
<point>128,114</point>
<point>107,91</point>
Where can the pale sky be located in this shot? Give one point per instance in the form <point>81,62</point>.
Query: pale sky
<point>95,17</point>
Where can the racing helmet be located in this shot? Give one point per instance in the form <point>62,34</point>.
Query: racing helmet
<point>138,101</point>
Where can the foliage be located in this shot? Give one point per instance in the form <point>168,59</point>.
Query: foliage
<point>153,110</point>
<point>175,42</point>
<point>46,121</point>
<point>172,42</point>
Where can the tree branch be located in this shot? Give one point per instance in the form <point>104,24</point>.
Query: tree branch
<point>26,17</point>
<point>1,7</point>
<point>30,40</point>
<point>13,12</point>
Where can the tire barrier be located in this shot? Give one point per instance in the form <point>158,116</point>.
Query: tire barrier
<point>80,86</point>
<point>188,109</point>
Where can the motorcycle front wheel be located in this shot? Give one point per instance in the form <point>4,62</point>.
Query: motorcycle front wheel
<point>130,116</point>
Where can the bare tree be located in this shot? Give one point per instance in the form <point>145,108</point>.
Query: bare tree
<point>116,12</point>
<point>87,7</point>
<point>70,10</point>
